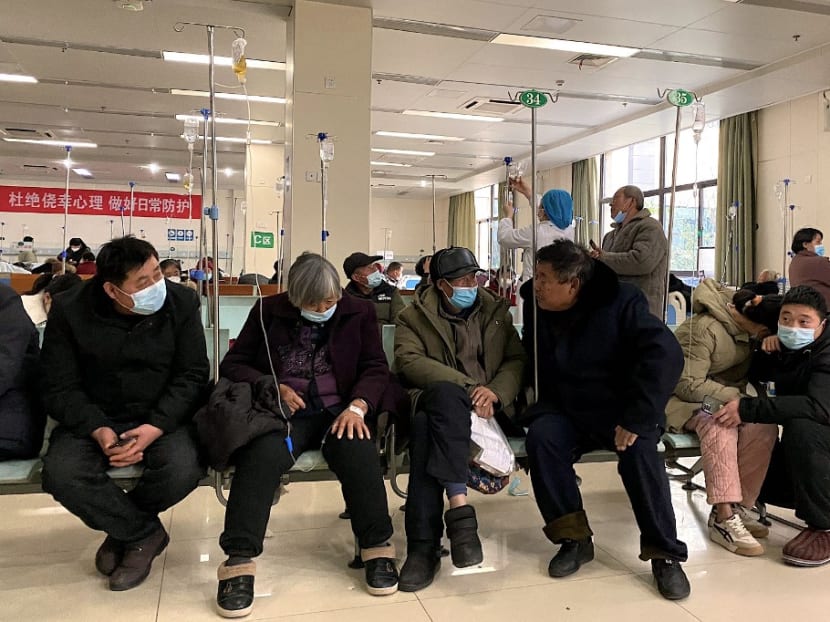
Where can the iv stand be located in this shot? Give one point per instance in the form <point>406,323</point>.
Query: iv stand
<point>433,177</point>
<point>213,211</point>
<point>66,204</point>
<point>132,205</point>
<point>534,216</point>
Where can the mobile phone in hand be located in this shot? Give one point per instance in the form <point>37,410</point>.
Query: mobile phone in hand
<point>121,442</point>
<point>710,405</point>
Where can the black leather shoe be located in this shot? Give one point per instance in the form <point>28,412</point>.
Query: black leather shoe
<point>138,560</point>
<point>462,530</point>
<point>572,554</point>
<point>671,580</point>
<point>235,596</point>
<point>109,556</point>
<point>381,576</point>
<point>421,566</point>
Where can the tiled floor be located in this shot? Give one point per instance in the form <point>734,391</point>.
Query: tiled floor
<point>47,572</point>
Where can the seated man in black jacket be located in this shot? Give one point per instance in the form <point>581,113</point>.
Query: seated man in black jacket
<point>606,370</point>
<point>798,363</point>
<point>21,412</point>
<point>366,281</point>
<point>128,366</point>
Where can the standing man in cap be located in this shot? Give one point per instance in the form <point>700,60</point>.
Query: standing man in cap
<point>367,282</point>
<point>637,248</point>
<point>441,356</point>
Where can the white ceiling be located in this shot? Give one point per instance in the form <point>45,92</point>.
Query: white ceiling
<point>119,97</point>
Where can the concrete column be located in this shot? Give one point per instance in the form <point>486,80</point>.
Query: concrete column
<point>260,208</point>
<point>328,88</point>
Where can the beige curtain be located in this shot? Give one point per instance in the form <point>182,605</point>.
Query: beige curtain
<point>586,195</point>
<point>461,229</point>
<point>737,180</point>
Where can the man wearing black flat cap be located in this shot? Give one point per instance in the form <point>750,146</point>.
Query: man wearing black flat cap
<point>441,357</point>
<point>366,282</point>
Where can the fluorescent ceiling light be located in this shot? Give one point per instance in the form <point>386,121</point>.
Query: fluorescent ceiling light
<point>17,77</point>
<point>564,45</point>
<point>390,164</point>
<point>228,171</point>
<point>405,152</point>
<point>418,136</point>
<point>220,61</point>
<point>227,120</point>
<point>83,172</point>
<point>235,96</point>
<point>173,176</point>
<point>153,168</point>
<point>233,139</point>
<point>52,143</point>
<point>453,115</point>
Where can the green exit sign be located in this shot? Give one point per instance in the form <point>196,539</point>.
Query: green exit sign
<point>262,239</point>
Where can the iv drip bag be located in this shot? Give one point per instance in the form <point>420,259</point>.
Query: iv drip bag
<point>699,109</point>
<point>191,130</point>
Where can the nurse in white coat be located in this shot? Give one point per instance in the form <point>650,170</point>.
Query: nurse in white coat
<point>555,214</point>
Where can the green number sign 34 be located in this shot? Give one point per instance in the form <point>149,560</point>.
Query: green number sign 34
<point>533,99</point>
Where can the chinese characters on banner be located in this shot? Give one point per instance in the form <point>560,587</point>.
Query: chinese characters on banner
<point>22,199</point>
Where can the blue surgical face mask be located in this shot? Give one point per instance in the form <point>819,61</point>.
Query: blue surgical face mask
<point>374,279</point>
<point>819,250</point>
<point>464,297</point>
<point>796,338</point>
<point>619,218</point>
<point>150,299</point>
<point>318,318</point>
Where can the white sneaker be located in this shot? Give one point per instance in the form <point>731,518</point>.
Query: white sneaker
<point>734,537</point>
<point>753,526</point>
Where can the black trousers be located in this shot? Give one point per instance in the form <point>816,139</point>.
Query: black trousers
<point>75,474</point>
<point>799,472</point>
<point>439,451</point>
<point>260,464</point>
<point>555,442</point>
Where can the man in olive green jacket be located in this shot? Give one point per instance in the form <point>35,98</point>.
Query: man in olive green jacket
<point>637,248</point>
<point>457,351</point>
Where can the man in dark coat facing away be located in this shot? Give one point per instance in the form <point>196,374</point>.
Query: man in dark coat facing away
<point>606,370</point>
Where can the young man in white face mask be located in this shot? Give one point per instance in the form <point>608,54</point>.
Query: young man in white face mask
<point>129,368</point>
<point>367,282</point>
<point>797,361</point>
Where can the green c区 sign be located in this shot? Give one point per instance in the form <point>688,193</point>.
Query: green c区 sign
<point>262,239</point>
<point>533,99</point>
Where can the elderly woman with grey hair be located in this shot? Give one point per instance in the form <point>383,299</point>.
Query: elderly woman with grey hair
<point>326,353</point>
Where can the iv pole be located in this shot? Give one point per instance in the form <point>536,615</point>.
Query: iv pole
<point>66,203</point>
<point>132,205</point>
<point>433,177</point>
<point>326,156</point>
<point>213,211</point>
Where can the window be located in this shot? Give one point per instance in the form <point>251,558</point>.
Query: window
<point>487,223</point>
<point>648,165</point>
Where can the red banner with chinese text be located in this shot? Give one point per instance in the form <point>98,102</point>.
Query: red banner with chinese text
<point>24,199</point>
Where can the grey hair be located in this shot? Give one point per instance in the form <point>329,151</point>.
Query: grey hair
<point>312,279</point>
<point>633,192</point>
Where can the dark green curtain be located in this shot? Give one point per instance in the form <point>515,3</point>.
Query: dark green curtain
<point>585,192</point>
<point>461,228</point>
<point>737,181</point>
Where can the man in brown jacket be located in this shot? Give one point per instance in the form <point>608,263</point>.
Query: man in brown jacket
<point>637,248</point>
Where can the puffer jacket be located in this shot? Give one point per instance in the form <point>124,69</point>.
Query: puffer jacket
<point>237,413</point>
<point>638,252</point>
<point>716,354</point>
<point>425,347</point>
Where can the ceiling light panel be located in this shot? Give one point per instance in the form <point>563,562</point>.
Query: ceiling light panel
<point>233,96</point>
<point>453,115</point>
<point>405,152</point>
<point>565,45</point>
<point>414,136</point>
<point>83,172</point>
<point>173,177</point>
<point>398,164</point>
<point>17,77</point>
<point>220,61</point>
<point>53,143</point>
<point>228,120</point>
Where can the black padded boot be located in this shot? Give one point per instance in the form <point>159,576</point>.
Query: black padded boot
<point>462,530</point>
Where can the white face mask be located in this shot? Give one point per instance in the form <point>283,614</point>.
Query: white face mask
<point>150,299</point>
<point>174,279</point>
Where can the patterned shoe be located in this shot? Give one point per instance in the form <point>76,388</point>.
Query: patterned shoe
<point>809,548</point>
<point>753,526</point>
<point>734,537</point>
